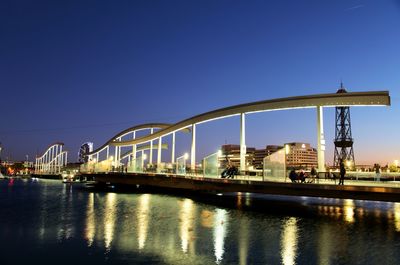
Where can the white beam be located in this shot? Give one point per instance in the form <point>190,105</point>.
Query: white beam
<point>151,148</point>
<point>321,139</point>
<point>173,148</point>
<point>193,148</point>
<point>243,149</point>
<point>159,154</point>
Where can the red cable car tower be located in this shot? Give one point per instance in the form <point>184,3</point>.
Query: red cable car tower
<point>343,140</point>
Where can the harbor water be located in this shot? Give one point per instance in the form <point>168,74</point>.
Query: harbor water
<point>48,222</point>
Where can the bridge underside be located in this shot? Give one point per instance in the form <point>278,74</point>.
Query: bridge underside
<point>274,188</point>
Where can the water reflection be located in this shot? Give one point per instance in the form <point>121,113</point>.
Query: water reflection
<point>220,228</point>
<point>186,217</point>
<point>43,212</point>
<point>243,238</point>
<point>397,216</point>
<point>90,220</point>
<point>289,241</point>
<point>325,245</point>
<point>167,229</point>
<point>66,230</point>
<point>348,208</point>
<point>109,220</point>
<point>206,218</point>
<point>143,219</point>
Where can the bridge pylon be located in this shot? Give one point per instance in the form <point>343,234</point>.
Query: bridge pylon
<point>343,138</point>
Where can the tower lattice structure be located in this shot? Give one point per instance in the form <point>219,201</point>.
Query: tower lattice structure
<point>343,139</point>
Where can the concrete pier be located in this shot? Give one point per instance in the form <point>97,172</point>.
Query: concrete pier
<point>263,187</point>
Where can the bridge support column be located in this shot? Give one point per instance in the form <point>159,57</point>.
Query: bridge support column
<point>118,153</point>
<point>60,159</point>
<point>151,148</point>
<point>321,139</point>
<point>108,151</point>
<point>134,152</point>
<point>243,149</point>
<point>116,157</point>
<point>159,154</point>
<point>51,158</point>
<point>142,161</point>
<point>58,169</point>
<point>193,149</point>
<point>133,161</point>
<point>173,148</point>
<point>45,162</point>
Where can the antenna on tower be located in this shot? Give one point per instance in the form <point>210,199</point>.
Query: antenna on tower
<point>343,139</point>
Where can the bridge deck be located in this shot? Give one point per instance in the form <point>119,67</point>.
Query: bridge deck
<point>380,192</point>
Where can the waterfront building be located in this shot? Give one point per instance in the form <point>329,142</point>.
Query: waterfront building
<point>231,154</point>
<point>259,155</point>
<point>301,155</point>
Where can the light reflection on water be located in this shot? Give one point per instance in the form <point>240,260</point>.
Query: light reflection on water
<point>289,241</point>
<point>348,208</point>
<point>143,219</point>
<point>90,220</point>
<point>186,220</point>
<point>220,230</point>
<point>148,228</point>
<point>397,216</point>
<point>109,220</point>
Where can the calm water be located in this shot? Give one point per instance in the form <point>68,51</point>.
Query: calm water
<point>46,222</point>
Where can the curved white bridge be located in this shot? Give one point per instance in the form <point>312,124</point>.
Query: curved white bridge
<point>158,131</point>
<point>52,161</point>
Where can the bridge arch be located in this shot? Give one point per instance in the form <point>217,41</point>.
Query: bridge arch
<point>52,160</point>
<point>318,101</point>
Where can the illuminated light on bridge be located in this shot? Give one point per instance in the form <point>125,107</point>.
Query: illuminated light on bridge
<point>52,161</point>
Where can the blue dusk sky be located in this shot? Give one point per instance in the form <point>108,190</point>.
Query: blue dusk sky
<point>77,71</point>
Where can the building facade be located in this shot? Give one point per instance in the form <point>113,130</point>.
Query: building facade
<point>259,155</point>
<point>231,154</point>
<point>299,155</point>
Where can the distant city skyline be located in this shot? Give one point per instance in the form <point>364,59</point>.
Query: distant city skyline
<point>77,71</point>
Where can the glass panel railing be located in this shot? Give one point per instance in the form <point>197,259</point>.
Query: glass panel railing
<point>102,166</point>
<point>275,166</point>
<point>181,165</point>
<point>137,164</point>
<point>211,166</point>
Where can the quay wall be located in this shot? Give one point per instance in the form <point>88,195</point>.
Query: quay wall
<point>376,193</point>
